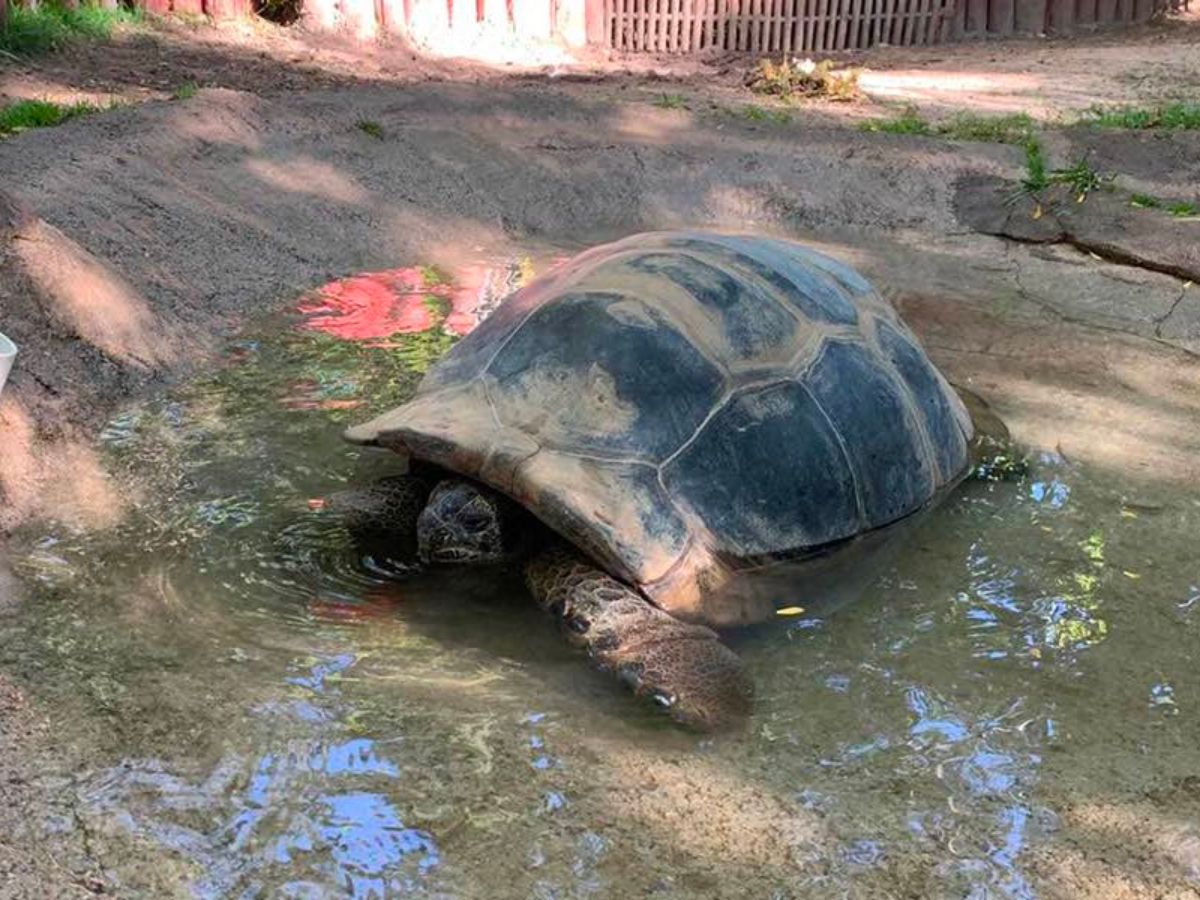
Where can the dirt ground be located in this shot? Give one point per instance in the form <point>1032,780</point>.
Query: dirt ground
<point>131,241</point>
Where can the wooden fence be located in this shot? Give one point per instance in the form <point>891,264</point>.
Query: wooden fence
<point>794,26</point>
<point>691,26</point>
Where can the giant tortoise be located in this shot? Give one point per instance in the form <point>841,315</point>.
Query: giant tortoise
<point>662,426</point>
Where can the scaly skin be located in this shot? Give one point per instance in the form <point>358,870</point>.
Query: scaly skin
<point>389,506</point>
<point>683,667</point>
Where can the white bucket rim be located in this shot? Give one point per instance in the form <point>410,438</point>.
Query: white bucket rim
<point>7,347</point>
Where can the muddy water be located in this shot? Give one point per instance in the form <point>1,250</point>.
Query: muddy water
<point>261,709</point>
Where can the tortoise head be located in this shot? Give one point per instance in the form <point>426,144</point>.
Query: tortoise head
<point>465,522</point>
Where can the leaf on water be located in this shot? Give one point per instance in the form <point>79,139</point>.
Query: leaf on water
<point>789,611</point>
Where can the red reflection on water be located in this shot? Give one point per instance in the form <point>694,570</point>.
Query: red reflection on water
<point>373,305</point>
<point>379,601</point>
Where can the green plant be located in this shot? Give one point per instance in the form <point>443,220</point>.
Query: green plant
<point>1177,115</point>
<point>908,121</point>
<point>185,91</point>
<point>1081,178</point>
<point>1180,208</point>
<point>1016,128</point>
<point>48,26</point>
<point>804,78</point>
<point>1035,167</point>
<point>671,101</point>
<point>370,127</point>
<point>760,114</point>
<point>28,114</point>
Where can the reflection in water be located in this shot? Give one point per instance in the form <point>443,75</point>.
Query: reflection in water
<point>282,714</point>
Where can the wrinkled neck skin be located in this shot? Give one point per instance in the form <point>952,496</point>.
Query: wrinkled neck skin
<point>466,523</point>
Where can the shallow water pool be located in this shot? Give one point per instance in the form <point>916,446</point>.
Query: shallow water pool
<point>1010,710</point>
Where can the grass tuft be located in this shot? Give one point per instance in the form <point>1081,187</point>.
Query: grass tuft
<point>1081,179</point>
<point>1180,208</point>
<point>1035,178</point>
<point>28,114</point>
<point>761,114</point>
<point>370,127</point>
<point>1179,115</point>
<point>1011,129</point>
<point>671,101</point>
<point>50,27</point>
<point>909,121</point>
<point>185,91</point>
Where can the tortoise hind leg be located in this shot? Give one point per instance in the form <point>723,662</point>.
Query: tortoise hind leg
<point>684,667</point>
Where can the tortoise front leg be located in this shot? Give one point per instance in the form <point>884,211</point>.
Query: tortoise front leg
<point>684,667</point>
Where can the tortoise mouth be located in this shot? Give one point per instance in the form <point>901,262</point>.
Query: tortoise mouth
<point>453,554</point>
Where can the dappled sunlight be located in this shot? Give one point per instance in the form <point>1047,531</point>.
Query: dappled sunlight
<point>32,87</point>
<point>309,176</point>
<point>221,116</point>
<point>63,480</point>
<point>647,124</point>
<point>1174,838</point>
<point>1114,849</point>
<point>706,809</point>
<point>89,299</point>
<point>984,91</point>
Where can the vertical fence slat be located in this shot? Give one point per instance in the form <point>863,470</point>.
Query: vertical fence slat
<point>1000,17</point>
<point>885,21</point>
<point>1063,16</point>
<point>907,20</point>
<point>924,21</point>
<point>838,29</point>
<point>1031,15</point>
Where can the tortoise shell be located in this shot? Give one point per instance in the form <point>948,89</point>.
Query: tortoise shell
<point>684,407</point>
